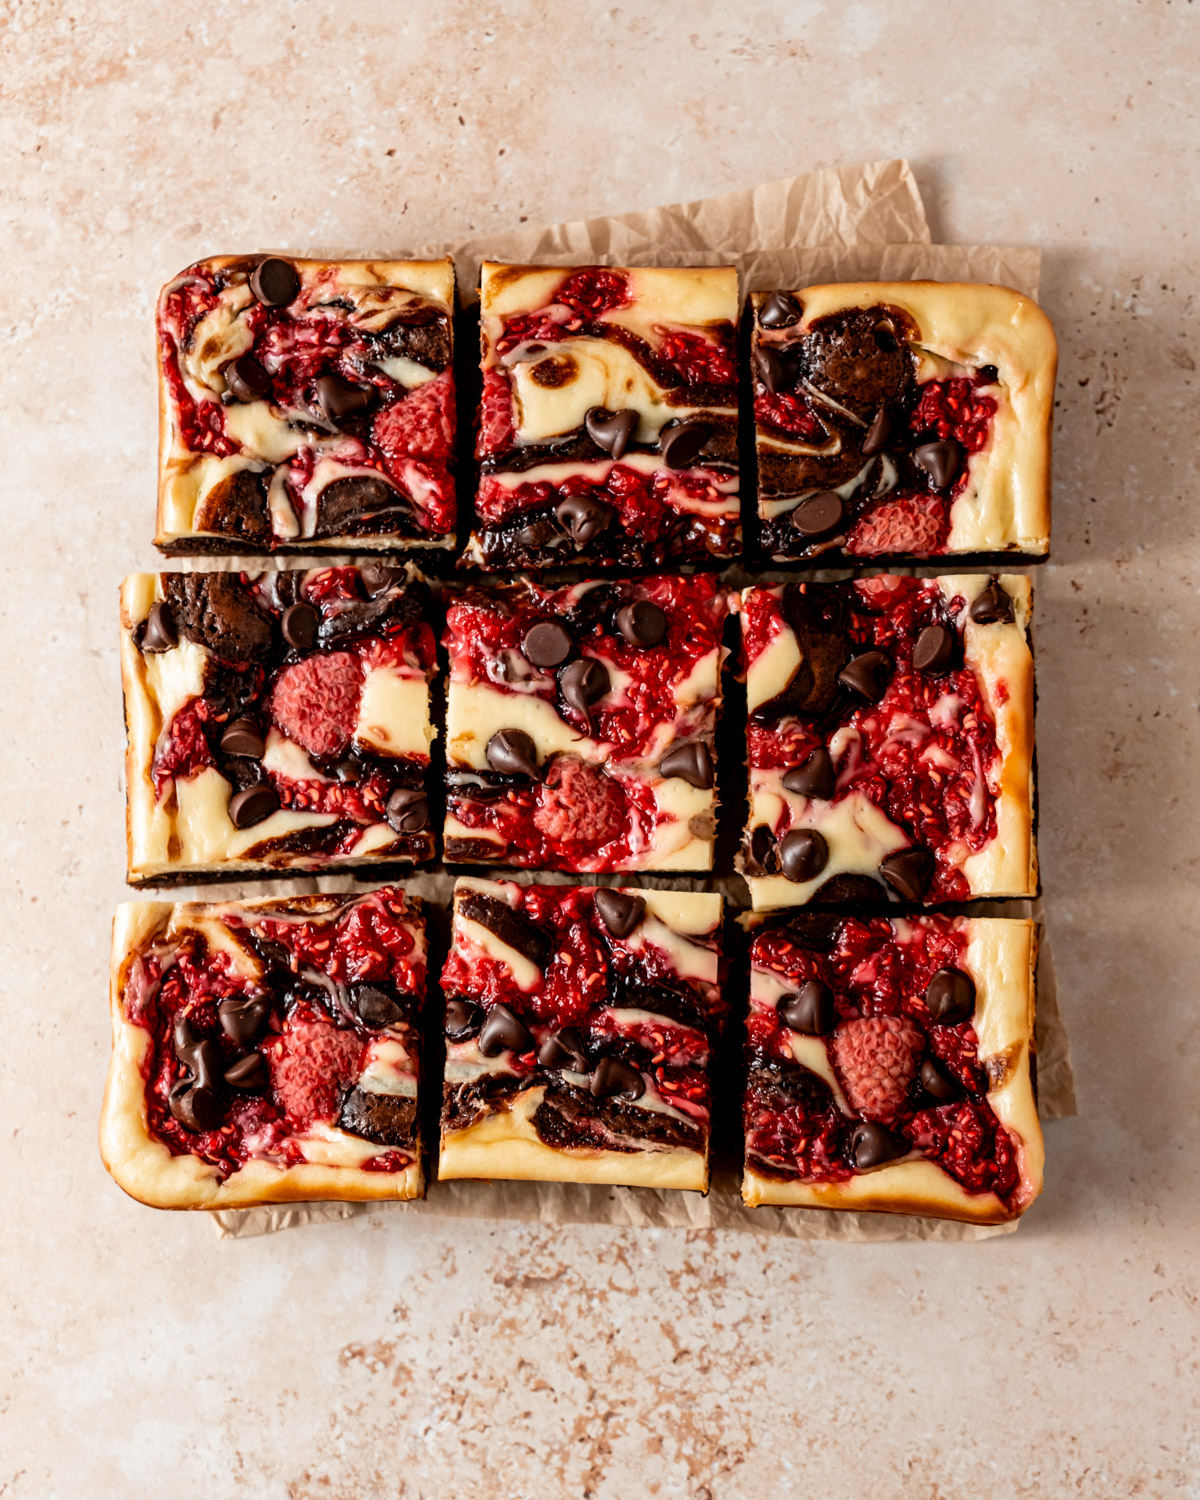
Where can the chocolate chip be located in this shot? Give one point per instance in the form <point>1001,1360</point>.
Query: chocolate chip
<point>512,753</point>
<point>196,1109</point>
<point>810,1010</point>
<point>868,674</point>
<point>815,778</point>
<point>802,854</point>
<point>880,433</point>
<point>299,626</point>
<point>340,398</point>
<point>203,1057</point>
<point>583,683</point>
<point>252,804</point>
<point>642,623</point>
<point>373,1006</point>
<point>408,809</point>
<point>937,1082</point>
<point>247,380</point>
<point>762,850</point>
<point>619,912</point>
<point>547,644</point>
<point>908,872</point>
<point>682,442</point>
<point>871,1145</point>
<point>934,649</point>
<point>950,996</point>
<point>774,370</point>
<point>819,513</point>
<point>275,282</point>
<point>243,737</point>
<point>614,1077</point>
<point>583,517</point>
<point>992,606</point>
<point>565,1049</point>
<point>248,1073</point>
<point>691,763</point>
<point>463,1019</point>
<point>242,1020</point>
<point>503,1031</point>
<point>159,633</point>
<point>941,460</point>
<point>377,578</point>
<point>611,430</point>
<point>778,310</point>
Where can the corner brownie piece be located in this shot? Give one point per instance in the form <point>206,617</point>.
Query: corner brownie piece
<point>890,740</point>
<point>902,419</point>
<point>306,404</point>
<point>276,721</point>
<point>579,1026</point>
<point>608,422</point>
<point>580,721</point>
<point>266,1051</point>
<point>888,1066</point>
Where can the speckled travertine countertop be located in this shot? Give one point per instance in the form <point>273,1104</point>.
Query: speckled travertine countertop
<point>435,1357</point>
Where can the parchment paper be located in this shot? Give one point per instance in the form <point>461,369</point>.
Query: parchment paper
<point>845,224</point>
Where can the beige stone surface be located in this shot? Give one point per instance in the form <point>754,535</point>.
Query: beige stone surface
<point>431,1357</point>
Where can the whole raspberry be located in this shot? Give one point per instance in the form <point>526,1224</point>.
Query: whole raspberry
<point>311,1063</point>
<point>914,523</point>
<point>315,702</point>
<point>578,804</point>
<point>420,425</point>
<point>876,1059</point>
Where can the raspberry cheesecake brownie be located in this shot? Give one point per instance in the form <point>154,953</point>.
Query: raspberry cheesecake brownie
<point>579,1023</point>
<point>608,419</point>
<point>890,740</point>
<point>579,724</point>
<point>276,721</point>
<point>266,1051</point>
<point>306,404</point>
<point>888,1066</point>
<point>902,419</point>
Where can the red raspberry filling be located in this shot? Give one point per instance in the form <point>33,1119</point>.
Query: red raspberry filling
<point>699,360</point>
<point>370,941</point>
<point>789,413</point>
<point>184,750</point>
<point>954,409</point>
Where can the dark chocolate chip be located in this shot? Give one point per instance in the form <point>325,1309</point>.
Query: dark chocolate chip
<point>247,380</point>
<point>614,1077</point>
<point>774,370</point>
<point>762,850</point>
<point>937,1082</point>
<point>299,626</point>
<point>275,282</point>
<point>815,778</point>
<point>619,912</point>
<point>819,513</point>
<point>802,854</point>
<point>242,1020</point>
<point>810,1010</point>
<point>691,763</point>
<point>195,1108</point>
<point>778,310</point>
<point>463,1019</point>
<point>373,1006</point>
<point>908,872</point>
<point>377,578</point>
<point>340,398</point>
<point>159,633</point>
<point>611,430</point>
<point>565,1049</point>
<point>408,809</point>
<point>248,1073</point>
<point>871,1145</point>
<point>950,996</point>
<point>682,443</point>
<point>880,433</point>
<point>512,753</point>
<point>868,674</point>
<point>642,623</point>
<point>252,804</point>
<point>987,375</point>
<point>503,1031</point>
<point>243,737</point>
<point>992,606</point>
<point>941,460</point>
<point>934,649</point>
<point>583,517</point>
<point>547,645</point>
<point>583,683</point>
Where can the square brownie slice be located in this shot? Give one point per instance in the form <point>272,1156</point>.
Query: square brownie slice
<point>275,721</point>
<point>608,419</point>
<point>579,1026</point>
<point>266,1051</point>
<point>890,740</point>
<point>580,722</point>
<point>306,405</point>
<point>903,419</point>
<point>888,1065</point>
